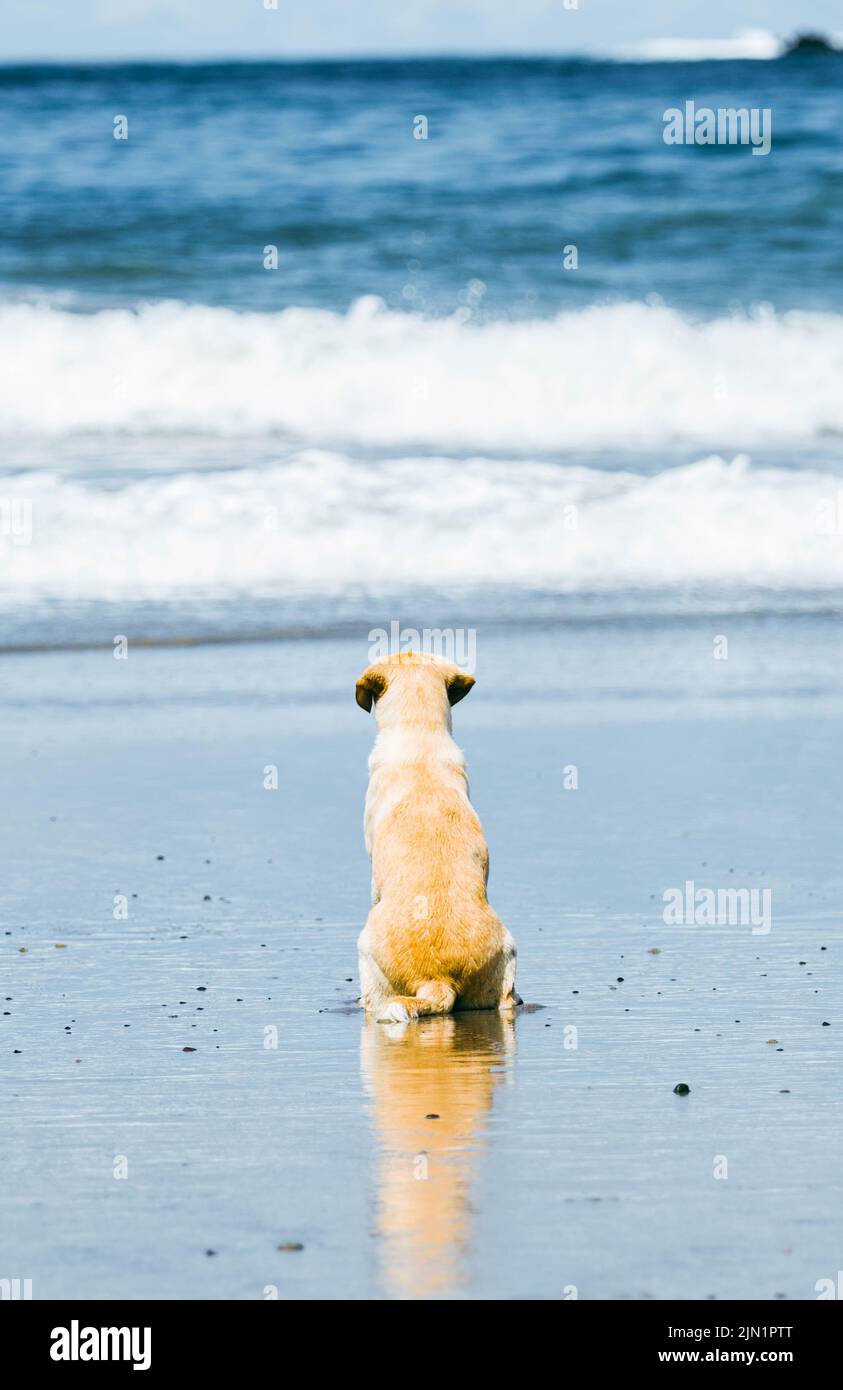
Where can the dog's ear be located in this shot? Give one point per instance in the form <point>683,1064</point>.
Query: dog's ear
<point>370,686</point>
<point>458,685</point>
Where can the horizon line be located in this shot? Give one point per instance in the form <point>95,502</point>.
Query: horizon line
<point>434,55</point>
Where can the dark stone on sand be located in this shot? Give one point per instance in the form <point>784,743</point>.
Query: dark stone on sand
<point>188,1049</point>
<point>681,1089</point>
<point>826,1025</point>
<point>290,1245</point>
<point>431,1117</point>
<point>159,856</point>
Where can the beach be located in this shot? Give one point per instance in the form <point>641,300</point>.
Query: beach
<point>301,356</point>
<point>561,1163</point>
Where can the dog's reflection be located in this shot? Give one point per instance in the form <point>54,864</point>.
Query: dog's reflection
<point>448,1068</point>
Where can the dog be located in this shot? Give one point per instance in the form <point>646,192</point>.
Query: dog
<point>431,943</point>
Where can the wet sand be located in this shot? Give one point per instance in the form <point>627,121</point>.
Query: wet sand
<point>462,1158</point>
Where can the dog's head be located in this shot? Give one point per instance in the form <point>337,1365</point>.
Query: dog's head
<point>412,685</point>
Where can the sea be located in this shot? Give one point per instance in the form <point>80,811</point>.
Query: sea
<point>305,347</point>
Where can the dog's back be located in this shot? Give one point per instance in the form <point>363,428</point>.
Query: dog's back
<point>432,942</point>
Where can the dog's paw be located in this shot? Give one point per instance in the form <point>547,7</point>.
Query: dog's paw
<point>395,1011</point>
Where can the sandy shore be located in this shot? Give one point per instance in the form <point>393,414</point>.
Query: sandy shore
<point>134,1167</point>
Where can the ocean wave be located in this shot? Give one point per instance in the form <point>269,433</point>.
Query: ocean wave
<point>748,43</point>
<point>623,376</point>
<point>322,523</point>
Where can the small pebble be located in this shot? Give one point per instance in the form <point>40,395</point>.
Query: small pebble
<point>681,1089</point>
<point>290,1245</point>
<point>188,1049</point>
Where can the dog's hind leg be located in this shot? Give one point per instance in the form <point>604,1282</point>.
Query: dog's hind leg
<point>509,998</point>
<point>494,986</point>
<point>432,997</point>
<point>374,986</point>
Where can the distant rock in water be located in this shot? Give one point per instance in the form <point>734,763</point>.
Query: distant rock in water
<point>810,43</point>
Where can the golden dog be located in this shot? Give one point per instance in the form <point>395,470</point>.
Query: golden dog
<point>431,942</point>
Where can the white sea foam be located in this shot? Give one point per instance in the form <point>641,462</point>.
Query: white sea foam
<point>624,376</point>
<point>747,43</point>
<point>324,524</point>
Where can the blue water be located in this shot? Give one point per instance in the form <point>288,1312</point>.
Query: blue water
<point>423,399</point>
<point>523,157</point>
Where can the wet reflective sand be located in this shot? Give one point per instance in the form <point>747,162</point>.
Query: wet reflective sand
<point>432,1089</point>
<point>561,1161</point>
